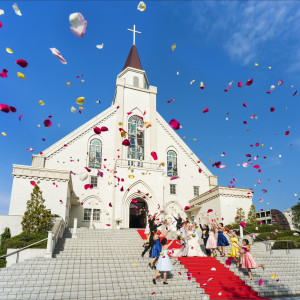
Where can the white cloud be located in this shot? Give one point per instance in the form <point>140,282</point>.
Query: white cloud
<point>248,30</point>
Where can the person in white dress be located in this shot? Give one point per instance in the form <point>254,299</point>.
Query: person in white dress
<point>164,263</point>
<point>194,246</point>
<point>184,239</point>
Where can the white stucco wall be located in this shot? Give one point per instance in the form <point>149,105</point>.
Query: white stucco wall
<point>12,222</point>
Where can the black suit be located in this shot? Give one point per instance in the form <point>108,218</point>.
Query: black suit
<point>152,227</point>
<point>205,238</point>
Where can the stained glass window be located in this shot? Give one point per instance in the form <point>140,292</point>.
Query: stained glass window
<point>95,154</point>
<point>136,138</point>
<point>172,163</point>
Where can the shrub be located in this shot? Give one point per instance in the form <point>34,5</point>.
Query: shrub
<point>261,228</point>
<point>264,235</point>
<point>4,236</point>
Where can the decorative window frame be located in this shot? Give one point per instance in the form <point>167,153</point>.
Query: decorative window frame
<point>172,148</point>
<point>94,136</point>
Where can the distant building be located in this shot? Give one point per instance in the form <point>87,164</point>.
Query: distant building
<point>274,217</point>
<point>289,215</point>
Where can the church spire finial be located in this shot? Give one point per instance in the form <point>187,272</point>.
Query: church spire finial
<point>134,32</point>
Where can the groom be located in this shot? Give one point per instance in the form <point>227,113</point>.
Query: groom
<point>184,239</point>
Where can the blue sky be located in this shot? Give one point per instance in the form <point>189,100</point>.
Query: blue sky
<point>217,42</point>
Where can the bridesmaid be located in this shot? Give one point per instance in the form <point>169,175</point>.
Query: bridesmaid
<point>248,260</point>
<point>147,230</point>
<point>156,249</point>
<point>164,263</point>
<point>222,241</point>
<point>211,243</point>
<point>234,250</point>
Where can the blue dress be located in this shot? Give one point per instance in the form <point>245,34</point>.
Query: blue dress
<point>222,241</point>
<point>164,263</point>
<point>156,249</point>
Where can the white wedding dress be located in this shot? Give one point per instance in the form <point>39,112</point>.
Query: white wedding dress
<point>194,246</point>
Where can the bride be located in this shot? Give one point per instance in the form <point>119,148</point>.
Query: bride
<point>193,241</point>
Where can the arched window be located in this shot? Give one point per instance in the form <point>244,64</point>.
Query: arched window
<point>136,138</point>
<point>135,81</point>
<point>95,154</point>
<point>172,163</point>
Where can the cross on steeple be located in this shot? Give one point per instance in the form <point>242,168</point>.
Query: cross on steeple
<point>134,32</point>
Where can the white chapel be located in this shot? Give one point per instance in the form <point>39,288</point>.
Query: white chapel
<point>119,173</point>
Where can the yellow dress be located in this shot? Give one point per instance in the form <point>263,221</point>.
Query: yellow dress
<point>234,250</point>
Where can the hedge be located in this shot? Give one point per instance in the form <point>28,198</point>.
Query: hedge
<point>283,245</point>
<point>18,242</point>
<point>264,235</point>
<point>260,227</point>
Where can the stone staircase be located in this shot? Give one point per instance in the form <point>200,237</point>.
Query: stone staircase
<point>99,264</point>
<point>285,266</point>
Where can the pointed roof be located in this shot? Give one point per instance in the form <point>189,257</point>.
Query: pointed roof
<point>133,59</point>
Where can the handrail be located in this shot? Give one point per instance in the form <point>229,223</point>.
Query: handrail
<point>287,244</point>
<point>21,249</point>
<point>267,243</point>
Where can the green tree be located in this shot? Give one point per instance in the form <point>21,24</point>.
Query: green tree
<point>36,218</point>
<point>240,216</point>
<point>296,215</point>
<point>252,218</point>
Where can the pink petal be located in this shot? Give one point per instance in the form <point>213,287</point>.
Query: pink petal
<point>104,128</point>
<point>264,191</point>
<point>3,74</point>
<point>133,201</point>
<point>33,183</point>
<point>260,282</point>
<point>209,211</point>
<point>126,142</point>
<point>240,84</point>
<point>228,262</point>
<point>205,110</point>
<point>287,133</point>
<point>89,170</point>
<point>97,130</point>
<point>174,177</point>
<point>249,82</point>
<point>256,167</point>
<point>20,117</point>
<point>22,63</point>
<point>272,109</point>
<point>56,53</point>
<point>88,186</point>
<point>200,171</point>
<point>78,24</point>
<point>5,108</point>
<point>174,124</point>
<point>243,224</point>
<point>107,224</point>
<point>47,123</point>
<point>280,82</point>
<point>244,104</point>
<point>154,155</point>
<point>186,207</point>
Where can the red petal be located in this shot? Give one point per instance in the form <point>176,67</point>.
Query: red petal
<point>186,207</point>
<point>295,93</point>
<point>256,144</point>
<point>248,155</point>
<point>5,108</point>
<point>107,224</point>
<point>97,130</point>
<point>126,142</point>
<point>133,201</point>
<point>88,186</point>
<point>268,92</point>
<point>20,117</point>
<point>245,122</point>
<point>103,128</point>
<point>200,171</point>
<point>22,63</point>
<point>210,210</point>
<point>110,205</point>
<point>272,109</point>
<point>3,74</point>
<point>205,110</point>
<point>154,155</point>
<point>244,104</point>
<point>13,109</point>
<point>174,124</point>
<point>287,133</point>
<point>249,82</point>
<point>89,170</point>
<point>33,183</point>
<point>240,84</point>
<point>47,123</point>
<point>256,167</point>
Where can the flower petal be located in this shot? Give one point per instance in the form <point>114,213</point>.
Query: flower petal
<point>154,155</point>
<point>16,9</point>
<point>22,63</point>
<point>78,24</point>
<point>97,130</point>
<point>126,142</point>
<point>3,74</point>
<point>5,108</point>
<point>205,110</point>
<point>141,6</point>
<point>174,124</point>
<point>56,53</point>
<point>47,123</point>
<point>21,75</point>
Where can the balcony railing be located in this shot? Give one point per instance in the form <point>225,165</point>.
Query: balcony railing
<point>138,164</point>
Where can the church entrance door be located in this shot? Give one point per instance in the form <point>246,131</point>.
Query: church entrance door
<point>138,214</point>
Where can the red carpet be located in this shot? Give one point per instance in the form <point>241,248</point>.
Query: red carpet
<point>220,283</point>
<point>174,245</point>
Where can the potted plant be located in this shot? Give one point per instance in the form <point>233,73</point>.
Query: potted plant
<point>118,222</point>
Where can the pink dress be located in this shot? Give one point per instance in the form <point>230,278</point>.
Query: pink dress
<point>248,260</point>
<point>211,241</point>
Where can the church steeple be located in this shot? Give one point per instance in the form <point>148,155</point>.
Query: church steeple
<point>133,59</point>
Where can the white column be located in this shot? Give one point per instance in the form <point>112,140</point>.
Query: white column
<point>48,253</point>
<point>241,232</point>
<point>91,219</point>
<point>74,235</point>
